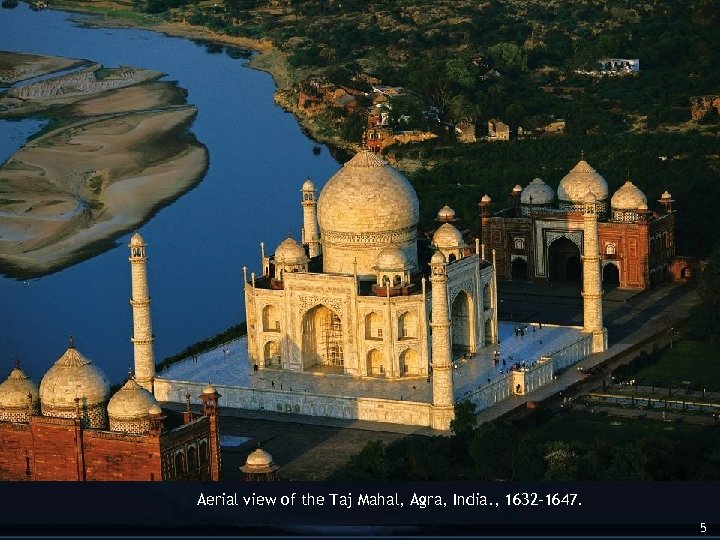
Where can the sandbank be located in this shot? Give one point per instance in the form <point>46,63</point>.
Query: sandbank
<point>122,151</point>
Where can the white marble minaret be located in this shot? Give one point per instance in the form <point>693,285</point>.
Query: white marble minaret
<point>310,226</point>
<point>142,325</point>
<point>592,277</point>
<point>442,388</point>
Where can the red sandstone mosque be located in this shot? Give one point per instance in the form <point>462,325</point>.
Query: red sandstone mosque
<point>70,428</point>
<point>538,238</point>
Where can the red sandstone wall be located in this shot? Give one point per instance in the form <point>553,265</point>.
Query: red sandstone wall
<point>121,457</point>
<point>54,455</point>
<point>14,442</point>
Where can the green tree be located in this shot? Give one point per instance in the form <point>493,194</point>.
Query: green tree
<point>460,108</point>
<point>370,464</point>
<point>562,462</point>
<point>629,462</point>
<point>509,58</point>
<point>406,111</point>
<point>494,449</point>
<point>461,72</point>
<point>706,317</point>
<point>465,420</point>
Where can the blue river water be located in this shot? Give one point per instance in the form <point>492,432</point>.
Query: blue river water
<point>197,246</point>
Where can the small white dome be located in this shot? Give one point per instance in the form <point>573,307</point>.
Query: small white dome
<point>131,402</point>
<point>539,192</point>
<point>136,240</point>
<point>209,389</point>
<point>73,376</point>
<point>517,189</point>
<point>290,252</point>
<point>15,389</point>
<point>259,462</point>
<point>392,259</point>
<point>486,199</point>
<point>259,457</point>
<point>666,196</point>
<point>448,237</point>
<point>628,197</point>
<point>446,214</point>
<point>581,179</point>
<point>308,185</point>
<point>438,258</point>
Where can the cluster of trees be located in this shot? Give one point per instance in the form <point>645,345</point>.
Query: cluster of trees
<point>625,372</point>
<point>705,319</point>
<point>520,451</point>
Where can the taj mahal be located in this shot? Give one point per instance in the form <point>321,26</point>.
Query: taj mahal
<point>362,319</point>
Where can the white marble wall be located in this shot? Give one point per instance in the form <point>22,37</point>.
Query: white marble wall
<point>349,408</point>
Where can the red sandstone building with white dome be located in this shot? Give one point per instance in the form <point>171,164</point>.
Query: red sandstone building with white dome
<point>538,238</point>
<point>72,429</point>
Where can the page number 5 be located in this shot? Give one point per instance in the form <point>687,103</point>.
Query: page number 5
<point>703,528</point>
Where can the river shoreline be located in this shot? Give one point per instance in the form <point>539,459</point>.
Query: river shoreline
<point>268,58</point>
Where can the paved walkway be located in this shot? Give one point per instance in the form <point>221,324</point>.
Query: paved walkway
<point>229,365</point>
<point>644,315</point>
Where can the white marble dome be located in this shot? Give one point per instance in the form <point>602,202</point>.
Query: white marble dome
<point>628,197</point>
<point>290,252</point>
<point>259,458</point>
<point>259,462</point>
<point>131,402</point>
<point>446,214</point>
<point>438,258</point>
<point>448,237</point>
<point>308,185</point>
<point>581,179</point>
<point>392,259</point>
<point>366,206</point>
<point>15,389</point>
<point>485,199</point>
<point>136,240</point>
<point>73,376</point>
<point>209,389</point>
<point>539,191</point>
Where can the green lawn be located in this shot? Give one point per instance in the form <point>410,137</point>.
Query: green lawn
<point>587,427</point>
<point>694,361</point>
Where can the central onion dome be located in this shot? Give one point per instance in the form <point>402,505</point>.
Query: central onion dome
<point>539,192</point>
<point>581,179</point>
<point>365,207</point>
<point>129,408</point>
<point>14,392</point>
<point>74,376</point>
<point>628,197</point>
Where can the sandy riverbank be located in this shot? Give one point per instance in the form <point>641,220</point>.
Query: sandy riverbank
<point>118,156</point>
<point>15,67</point>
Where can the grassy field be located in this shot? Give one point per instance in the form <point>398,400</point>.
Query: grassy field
<point>696,362</point>
<point>586,427</point>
